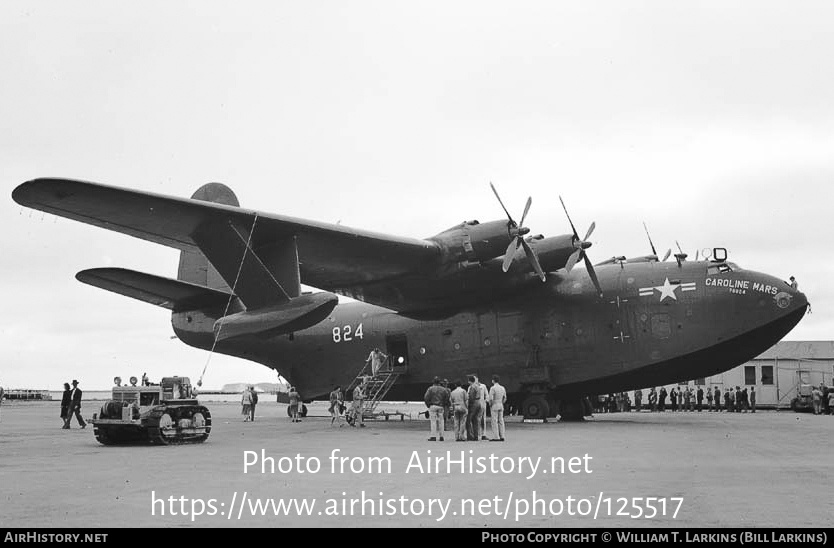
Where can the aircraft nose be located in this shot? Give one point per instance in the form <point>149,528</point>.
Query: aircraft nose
<point>789,299</point>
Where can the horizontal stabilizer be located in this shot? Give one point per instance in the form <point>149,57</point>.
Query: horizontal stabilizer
<point>299,313</point>
<point>168,293</point>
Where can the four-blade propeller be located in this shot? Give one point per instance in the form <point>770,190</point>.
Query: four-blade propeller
<point>516,233</point>
<point>581,246</point>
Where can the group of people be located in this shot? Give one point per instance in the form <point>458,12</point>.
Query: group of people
<point>466,405</point>
<point>248,401</point>
<point>690,399</point>
<point>822,399</point>
<point>71,405</point>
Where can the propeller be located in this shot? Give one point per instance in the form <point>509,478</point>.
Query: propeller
<point>516,232</point>
<point>681,256</point>
<point>654,251</point>
<point>581,246</point>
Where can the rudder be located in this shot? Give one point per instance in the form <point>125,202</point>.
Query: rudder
<point>194,267</point>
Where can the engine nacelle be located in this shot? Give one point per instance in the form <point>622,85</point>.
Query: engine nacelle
<point>552,252</point>
<point>472,241</point>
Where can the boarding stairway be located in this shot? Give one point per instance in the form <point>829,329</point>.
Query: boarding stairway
<point>376,387</point>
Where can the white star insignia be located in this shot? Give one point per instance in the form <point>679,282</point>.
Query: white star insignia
<point>667,290</point>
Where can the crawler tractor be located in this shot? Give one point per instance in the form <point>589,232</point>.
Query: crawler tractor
<point>158,414</point>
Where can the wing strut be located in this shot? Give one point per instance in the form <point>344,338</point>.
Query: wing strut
<point>229,302</point>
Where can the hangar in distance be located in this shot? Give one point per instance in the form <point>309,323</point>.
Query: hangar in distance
<point>485,298</point>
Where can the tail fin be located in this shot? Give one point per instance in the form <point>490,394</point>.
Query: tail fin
<point>194,266</point>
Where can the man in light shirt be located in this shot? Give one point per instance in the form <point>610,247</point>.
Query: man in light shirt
<point>376,358</point>
<point>460,405</point>
<point>484,397</point>
<point>497,399</point>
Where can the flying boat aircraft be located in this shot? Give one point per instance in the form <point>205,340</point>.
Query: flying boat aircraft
<point>484,298</point>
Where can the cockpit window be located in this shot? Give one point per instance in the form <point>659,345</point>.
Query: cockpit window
<point>720,268</point>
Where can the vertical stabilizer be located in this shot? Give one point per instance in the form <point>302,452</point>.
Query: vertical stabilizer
<point>194,266</point>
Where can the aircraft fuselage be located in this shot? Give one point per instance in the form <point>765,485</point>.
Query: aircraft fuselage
<point>656,323</point>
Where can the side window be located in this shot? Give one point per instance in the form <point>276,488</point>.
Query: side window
<point>767,374</point>
<point>712,270</point>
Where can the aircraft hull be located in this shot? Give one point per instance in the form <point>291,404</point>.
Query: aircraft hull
<point>562,340</point>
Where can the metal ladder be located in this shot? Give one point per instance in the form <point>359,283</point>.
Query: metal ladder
<point>376,386</point>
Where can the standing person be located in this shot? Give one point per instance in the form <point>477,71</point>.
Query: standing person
<point>75,406</point>
<point>484,397</point>
<point>825,409</point>
<point>673,398</point>
<point>437,401</point>
<point>716,396</point>
<point>448,415</point>
<point>497,399</point>
<point>831,402</point>
<point>336,402</point>
<point>376,358</point>
<point>638,400</point>
<point>661,399</point>
<point>254,398</point>
<point>653,399</point>
<point>738,400</point>
<point>752,399</point>
<point>475,410</point>
<point>816,399</point>
<point>66,402</point>
<point>246,404</point>
<point>709,399</point>
<point>687,397</point>
<point>295,403</point>
<point>699,398</point>
<point>460,406</point>
<point>358,405</point>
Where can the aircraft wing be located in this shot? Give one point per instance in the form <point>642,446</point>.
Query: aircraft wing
<point>330,256</point>
<point>175,295</point>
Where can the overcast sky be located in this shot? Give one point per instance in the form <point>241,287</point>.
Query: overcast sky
<point>711,121</point>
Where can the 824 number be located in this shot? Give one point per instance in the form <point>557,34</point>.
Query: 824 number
<point>347,333</point>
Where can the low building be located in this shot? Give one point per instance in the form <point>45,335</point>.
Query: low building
<point>776,374</point>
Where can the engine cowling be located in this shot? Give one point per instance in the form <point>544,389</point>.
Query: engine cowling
<point>552,252</point>
<point>472,241</point>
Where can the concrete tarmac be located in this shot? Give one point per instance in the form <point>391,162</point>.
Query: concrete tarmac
<point>768,469</point>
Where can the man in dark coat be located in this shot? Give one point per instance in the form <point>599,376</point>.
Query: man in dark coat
<point>75,406</point>
<point>66,401</point>
<point>254,403</point>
